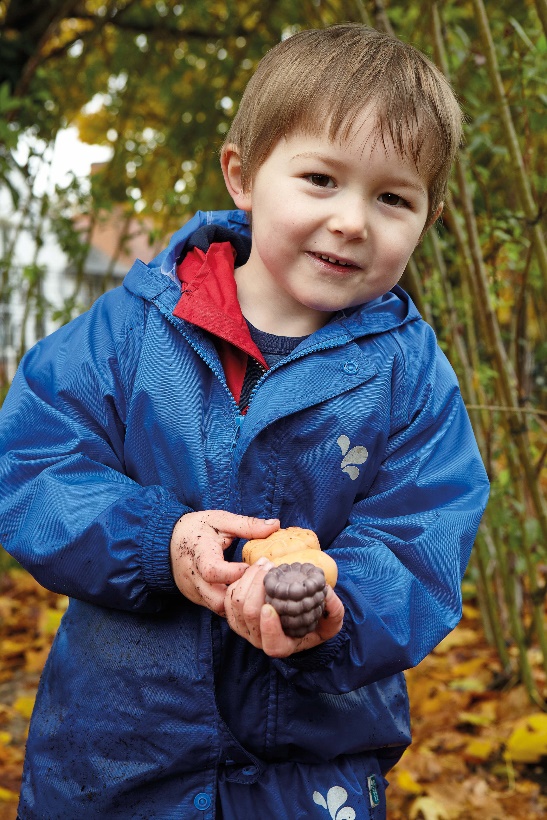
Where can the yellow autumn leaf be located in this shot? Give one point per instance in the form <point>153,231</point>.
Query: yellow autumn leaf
<point>528,742</point>
<point>49,621</point>
<point>477,719</point>
<point>480,749</point>
<point>5,738</point>
<point>407,783</point>
<point>439,702</point>
<point>10,648</point>
<point>461,636</point>
<point>7,796</point>
<point>467,685</point>
<point>469,590</point>
<point>35,659</point>
<point>6,607</point>
<point>471,613</point>
<point>526,787</point>
<point>468,668</point>
<point>24,705</point>
<point>427,808</point>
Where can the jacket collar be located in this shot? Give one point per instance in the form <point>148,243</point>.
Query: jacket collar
<point>158,281</point>
<point>209,296</point>
<point>209,300</point>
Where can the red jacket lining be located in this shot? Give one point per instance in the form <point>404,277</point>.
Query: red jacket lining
<point>209,301</point>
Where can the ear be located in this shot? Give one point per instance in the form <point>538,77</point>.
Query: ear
<point>431,221</point>
<point>230,162</point>
<point>434,216</point>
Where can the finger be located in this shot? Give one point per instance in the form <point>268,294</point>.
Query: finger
<point>243,604</point>
<point>274,641</point>
<point>213,598</point>
<point>208,595</point>
<point>255,600</point>
<point>241,526</point>
<point>233,607</point>
<point>219,571</point>
<point>278,645</point>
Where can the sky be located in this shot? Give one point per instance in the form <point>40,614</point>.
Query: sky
<point>70,156</point>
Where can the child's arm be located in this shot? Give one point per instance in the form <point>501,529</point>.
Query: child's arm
<point>403,552</point>
<point>405,548</point>
<point>69,511</point>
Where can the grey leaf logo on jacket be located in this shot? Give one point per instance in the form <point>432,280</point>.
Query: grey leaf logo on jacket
<point>357,455</point>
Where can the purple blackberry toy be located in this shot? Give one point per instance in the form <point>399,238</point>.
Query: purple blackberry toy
<point>297,593</point>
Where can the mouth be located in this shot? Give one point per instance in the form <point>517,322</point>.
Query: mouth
<point>334,262</point>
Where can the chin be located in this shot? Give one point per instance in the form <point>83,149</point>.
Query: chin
<point>328,310</point>
<point>331,307</point>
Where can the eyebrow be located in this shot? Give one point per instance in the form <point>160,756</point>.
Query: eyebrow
<point>317,155</point>
<point>336,163</point>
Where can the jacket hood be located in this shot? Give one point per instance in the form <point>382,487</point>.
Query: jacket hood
<point>393,309</point>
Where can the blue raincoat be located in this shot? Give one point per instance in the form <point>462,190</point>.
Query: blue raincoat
<point>122,421</point>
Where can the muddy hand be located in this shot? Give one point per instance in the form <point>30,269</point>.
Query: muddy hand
<point>197,553</point>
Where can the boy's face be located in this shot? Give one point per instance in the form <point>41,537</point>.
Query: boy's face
<point>333,225</point>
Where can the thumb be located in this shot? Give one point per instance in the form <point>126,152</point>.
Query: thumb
<point>244,526</point>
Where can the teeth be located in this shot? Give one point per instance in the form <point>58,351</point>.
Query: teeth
<point>334,261</point>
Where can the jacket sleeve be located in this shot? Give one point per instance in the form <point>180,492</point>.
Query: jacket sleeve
<point>69,513</point>
<point>404,551</point>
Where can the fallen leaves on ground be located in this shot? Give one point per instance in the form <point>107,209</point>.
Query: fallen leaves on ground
<point>479,752</point>
<point>29,617</point>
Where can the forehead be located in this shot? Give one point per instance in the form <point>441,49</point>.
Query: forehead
<point>358,142</point>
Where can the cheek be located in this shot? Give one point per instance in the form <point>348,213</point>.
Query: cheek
<point>396,247</point>
<point>279,224</point>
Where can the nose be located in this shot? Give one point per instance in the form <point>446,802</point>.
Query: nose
<point>349,218</point>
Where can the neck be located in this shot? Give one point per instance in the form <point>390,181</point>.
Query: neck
<point>266,312</point>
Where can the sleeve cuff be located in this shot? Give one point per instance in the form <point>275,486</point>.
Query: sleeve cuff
<point>155,555</point>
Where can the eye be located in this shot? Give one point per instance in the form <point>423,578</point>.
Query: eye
<point>321,180</point>
<point>394,200</point>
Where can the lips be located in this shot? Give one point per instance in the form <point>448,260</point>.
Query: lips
<point>336,261</point>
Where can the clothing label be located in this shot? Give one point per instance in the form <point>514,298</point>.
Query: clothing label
<point>373,791</point>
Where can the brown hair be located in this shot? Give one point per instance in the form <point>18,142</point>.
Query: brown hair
<point>324,78</point>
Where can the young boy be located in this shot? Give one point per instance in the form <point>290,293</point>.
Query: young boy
<point>238,383</point>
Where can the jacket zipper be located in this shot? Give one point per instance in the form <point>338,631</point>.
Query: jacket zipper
<point>218,373</point>
<point>240,417</point>
<point>291,358</point>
